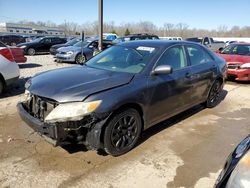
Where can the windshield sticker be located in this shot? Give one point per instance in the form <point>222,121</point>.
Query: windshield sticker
<point>144,48</point>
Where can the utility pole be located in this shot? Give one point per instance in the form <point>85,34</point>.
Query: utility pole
<point>100,27</point>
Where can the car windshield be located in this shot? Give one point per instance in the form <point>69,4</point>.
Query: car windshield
<point>118,40</point>
<point>79,44</point>
<point>37,39</point>
<point>123,59</point>
<point>72,42</point>
<point>237,50</point>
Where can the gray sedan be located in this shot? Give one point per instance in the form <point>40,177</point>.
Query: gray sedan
<point>73,53</point>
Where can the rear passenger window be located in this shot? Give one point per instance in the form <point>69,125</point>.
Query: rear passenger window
<point>197,55</point>
<point>175,57</point>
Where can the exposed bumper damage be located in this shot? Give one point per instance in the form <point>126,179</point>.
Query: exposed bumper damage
<point>86,131</point>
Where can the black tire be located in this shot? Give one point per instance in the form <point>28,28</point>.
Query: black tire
<point>122,132</point>
<point>31,51</point>
<point>214,94</point>
<point>80,59</point>
<point>1,86</point>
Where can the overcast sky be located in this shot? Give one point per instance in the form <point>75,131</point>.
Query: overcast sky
<point>204,14</point>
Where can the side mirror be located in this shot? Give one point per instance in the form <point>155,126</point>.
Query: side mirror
<point>162,69</point>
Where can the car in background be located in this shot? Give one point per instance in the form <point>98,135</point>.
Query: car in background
<point>236,171</point>
<point>53,49</point>
<point>9,70</point>
<point>109,36</point>
<point>73,53</point>
<point>237,56</point>
<point>208,42</point>
<point>140,36</point>
<point>171,38</point>
<point>106,103</point>
<point>18,54</point>
<point>227,43</point>
<point>40,45</point>
<point>12,40</point>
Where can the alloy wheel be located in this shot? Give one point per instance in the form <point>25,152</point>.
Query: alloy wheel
<point>124,132</point>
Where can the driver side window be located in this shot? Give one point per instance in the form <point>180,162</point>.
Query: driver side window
<point>46,41</point>
<point>175,57</point>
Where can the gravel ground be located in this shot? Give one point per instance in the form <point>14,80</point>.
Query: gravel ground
<point>39,63</point>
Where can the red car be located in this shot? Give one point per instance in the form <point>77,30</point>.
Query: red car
<point>237,56</point>
<point>18,54</point>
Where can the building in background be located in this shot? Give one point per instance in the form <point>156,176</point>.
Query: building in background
<point>30,29</point>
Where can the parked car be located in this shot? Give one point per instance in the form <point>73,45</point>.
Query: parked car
<point>236,171</point>
<point>109,36</point>
<point>9,70</point>
<point>129,87</point>
<point>73,53</point>
<point>227,43</point>
<point>40,45</point>
<point>11,40</point>
<point>53,49</point>
<point>208,42</point>
<point>237,56</point>
<point>140,36</point>
<point>171,38</point>
<point>18,54</point>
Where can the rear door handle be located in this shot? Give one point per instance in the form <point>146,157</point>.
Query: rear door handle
<point>188,75</point>
<point>213,67</point>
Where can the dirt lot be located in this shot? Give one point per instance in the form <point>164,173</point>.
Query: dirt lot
<point>188,150</point>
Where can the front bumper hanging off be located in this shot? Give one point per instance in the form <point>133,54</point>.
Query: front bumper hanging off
<point>87,132</point>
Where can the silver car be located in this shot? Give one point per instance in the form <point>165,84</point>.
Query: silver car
<point>74,54</point>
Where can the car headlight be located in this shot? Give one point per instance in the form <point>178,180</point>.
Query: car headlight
<point>245,66</point>
<point>241,148</point>
<point>71,111</point>
<point>23,46</point>
<point>70,53</point>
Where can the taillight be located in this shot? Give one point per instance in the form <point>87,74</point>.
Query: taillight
<point>7,54</point>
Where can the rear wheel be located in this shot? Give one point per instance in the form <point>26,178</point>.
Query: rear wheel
<point>122,132</point>
<point>80,59</point>
<point>31,51</point>
<point>214,94</point>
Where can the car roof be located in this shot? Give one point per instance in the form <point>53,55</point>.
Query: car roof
<point>241,43</point>
<point>154,43</point>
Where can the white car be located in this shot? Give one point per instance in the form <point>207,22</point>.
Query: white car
<point>9,70</point>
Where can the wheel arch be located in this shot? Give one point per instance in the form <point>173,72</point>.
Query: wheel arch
<point>135,106</point>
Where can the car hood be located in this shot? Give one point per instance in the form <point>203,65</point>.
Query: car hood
<point>75,83</point>
<point>25,44</point>
<point>59,46</point>
<point>235,58</point>
<point>69,48</point>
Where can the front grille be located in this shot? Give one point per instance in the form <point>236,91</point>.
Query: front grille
<point>233,66</point>
<point>40,107</point>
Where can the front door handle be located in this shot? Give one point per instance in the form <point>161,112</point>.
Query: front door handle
<point>188,75</point>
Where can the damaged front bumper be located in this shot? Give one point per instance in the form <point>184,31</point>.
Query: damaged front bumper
<point>87,131</point>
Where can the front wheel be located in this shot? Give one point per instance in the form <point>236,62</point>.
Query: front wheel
<point>31,51</point>
<point>122,132</point>
<point>214,94</point>
<point>80,59</point>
